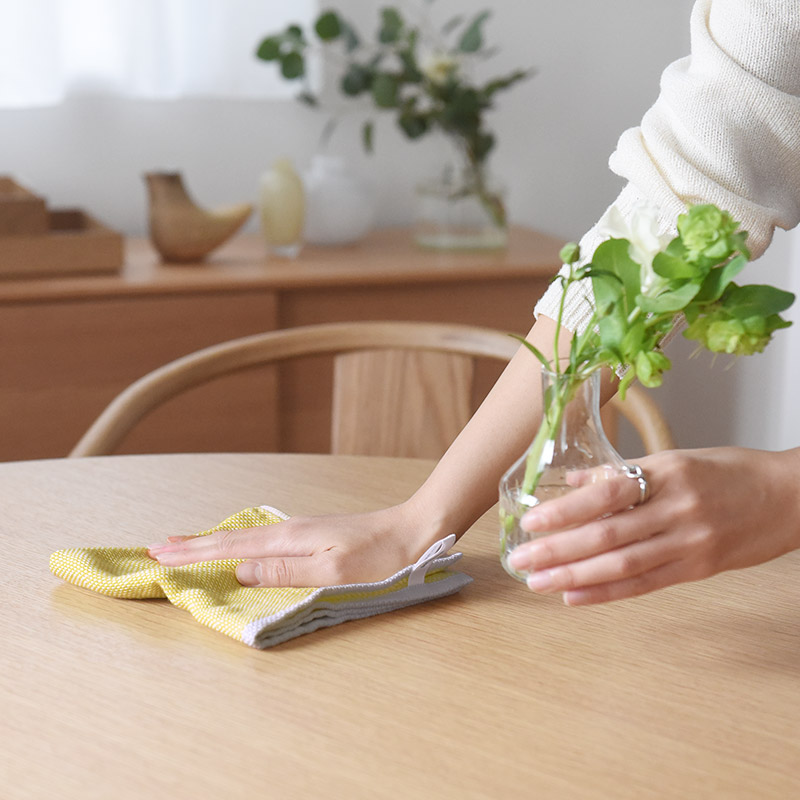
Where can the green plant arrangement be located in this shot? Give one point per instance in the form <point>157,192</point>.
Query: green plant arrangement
<point>417,71</point>
<point>640,282</point>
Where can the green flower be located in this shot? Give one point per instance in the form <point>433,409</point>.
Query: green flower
<point>709,234</point>
<point>722,332</point>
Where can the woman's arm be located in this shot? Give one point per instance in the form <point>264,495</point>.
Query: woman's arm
<point>320,551</point>
<point>708,511</point>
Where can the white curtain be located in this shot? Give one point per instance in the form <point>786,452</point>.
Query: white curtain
<point>159,49</point>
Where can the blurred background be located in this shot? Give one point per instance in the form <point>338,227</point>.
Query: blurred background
<point>223,117</point>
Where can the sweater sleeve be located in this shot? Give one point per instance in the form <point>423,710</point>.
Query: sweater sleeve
<point>724,130</point>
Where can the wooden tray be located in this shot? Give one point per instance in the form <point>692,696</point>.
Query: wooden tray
<point>21,211</point>
<point>73,244</point>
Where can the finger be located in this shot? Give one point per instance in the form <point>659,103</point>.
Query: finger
<point>592,539</point>
<point>311,571</point>
<point>582,477</point>
<point>261,542</point>
<point>583,505</point>
<point>627,562</point>
<point>659,578</point>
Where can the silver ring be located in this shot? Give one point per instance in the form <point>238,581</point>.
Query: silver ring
<point>636,472</point>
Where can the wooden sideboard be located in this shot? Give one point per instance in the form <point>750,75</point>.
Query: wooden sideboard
<point>69,345</point>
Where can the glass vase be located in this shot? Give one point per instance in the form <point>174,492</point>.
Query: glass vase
<point>461,208</point>
<point>570,449</point>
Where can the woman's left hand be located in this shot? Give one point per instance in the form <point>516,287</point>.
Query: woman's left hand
<point>708,511</point>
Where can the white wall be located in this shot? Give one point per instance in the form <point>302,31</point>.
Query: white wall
<point>598,67</point>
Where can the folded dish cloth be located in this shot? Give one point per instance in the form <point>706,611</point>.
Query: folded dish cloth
<point>259,617</point>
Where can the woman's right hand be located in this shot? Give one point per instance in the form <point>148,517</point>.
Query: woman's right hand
<point>311,551</point>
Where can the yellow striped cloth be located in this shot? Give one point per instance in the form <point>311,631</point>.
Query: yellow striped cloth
<point>258,617</point>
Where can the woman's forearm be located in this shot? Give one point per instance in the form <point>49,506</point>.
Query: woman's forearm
<point>464,483</point>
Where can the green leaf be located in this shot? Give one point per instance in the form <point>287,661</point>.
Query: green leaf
<point>612,256</point>
<point>627,379</point>
<point>570,253</point>
<point>293,66</point>
<point>269,49</point>
<point>482,145</point>
<point>385,89</point>
<point>612,332</point>
<point>328,26</point>
<point>504,83</point>
<point>718,280</point>
<point>308,99</point>
<point>391,26</point>
<point>357,79</point>
<point>650,366</point>
<point>669,302</point>
<point>472,38</point>
<point>633,340</point>
<point>673,267</point>
<point>413,125</point>
<point>607,288</point>
<point>535,350</point>
<point>411,72</point>
<point>367,132</point>
<point>452,24</point>
<point>755,300</point>
<point>295,34</point>
<point>351,37</point>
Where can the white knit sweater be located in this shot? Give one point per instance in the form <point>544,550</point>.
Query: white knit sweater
<point>725,130</point>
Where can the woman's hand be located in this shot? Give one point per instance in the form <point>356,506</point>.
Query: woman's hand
<point>708,511</point>
<point>310,551</point>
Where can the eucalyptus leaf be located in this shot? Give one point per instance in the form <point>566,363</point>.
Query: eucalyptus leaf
<point>413,125</point>
<point>269,49</point>
<point>472,38</point>
<point>385,90</point>
<point>295,33</point>
<point>293,66</point>
<point>367,135</point>
<point>391,26</point>
<point>328,26</point>
<point>357,79</point>
<point>505,82</point>
<point>308,99</point>
<point>452,24</point>
<point>351,38</point>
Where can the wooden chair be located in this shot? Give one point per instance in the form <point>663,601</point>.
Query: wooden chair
<point>400,388</point>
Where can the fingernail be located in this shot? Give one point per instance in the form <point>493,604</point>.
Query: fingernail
<point>518,559</point>
<point>167,559</point>
<point>249,573</point>
<point>157,546</point>
<point>540,581</point>
<point>531,520</point>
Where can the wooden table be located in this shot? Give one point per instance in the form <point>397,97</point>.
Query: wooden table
<point>69,345</point>
<point>692,692</point>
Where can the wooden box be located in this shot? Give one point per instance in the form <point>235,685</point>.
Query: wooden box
<point>21,211</point>
<point>73,243</point>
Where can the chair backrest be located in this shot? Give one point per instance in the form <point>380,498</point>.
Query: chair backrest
<point>400,388</point>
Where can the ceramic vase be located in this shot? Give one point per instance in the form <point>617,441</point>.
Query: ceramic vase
<point>340,207</point>
<point>282,205</point>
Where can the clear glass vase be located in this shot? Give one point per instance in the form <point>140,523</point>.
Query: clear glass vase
<point>462,208</point>
<point>570,449</point>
